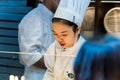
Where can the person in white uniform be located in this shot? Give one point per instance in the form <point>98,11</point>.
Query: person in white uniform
<point>60,55</point>
<point>35,35</point>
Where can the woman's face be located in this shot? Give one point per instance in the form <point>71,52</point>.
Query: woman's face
<point>65,35</point>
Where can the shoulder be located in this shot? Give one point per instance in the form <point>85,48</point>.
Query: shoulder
<point>82,39</point>
<point>33,15</point>
<point>31,18</point>
<point>51,49</point>
<point>52,46</point>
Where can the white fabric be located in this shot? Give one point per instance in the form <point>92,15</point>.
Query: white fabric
<point>72,10</point>
<point>59,62</point>
<point>35,35</point>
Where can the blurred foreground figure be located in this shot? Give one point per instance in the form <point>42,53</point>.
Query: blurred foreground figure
<point>98,59</point>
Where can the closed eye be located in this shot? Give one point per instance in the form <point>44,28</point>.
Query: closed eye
<point>54,34</point>
<point>64,34</point>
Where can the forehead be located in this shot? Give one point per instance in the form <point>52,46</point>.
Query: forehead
<point>59,27</point>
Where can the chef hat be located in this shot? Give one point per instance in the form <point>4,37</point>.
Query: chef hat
<point>72,10</point>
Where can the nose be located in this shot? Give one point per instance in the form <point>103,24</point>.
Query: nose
<point>60,39</point>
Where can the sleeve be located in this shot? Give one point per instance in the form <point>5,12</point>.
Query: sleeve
<point>29,37</point>
<point>48,75</point>
<point>49,59</point>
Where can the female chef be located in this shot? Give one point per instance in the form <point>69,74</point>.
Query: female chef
<point>60,55</point>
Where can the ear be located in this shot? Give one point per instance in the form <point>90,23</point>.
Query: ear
<point>78,30</point>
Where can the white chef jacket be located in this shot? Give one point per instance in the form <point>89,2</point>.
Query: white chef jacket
<point>35,35</point>
<point>59,61</point>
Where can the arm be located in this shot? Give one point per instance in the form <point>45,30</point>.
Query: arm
<point>40,63</point>
<point>30,36</point>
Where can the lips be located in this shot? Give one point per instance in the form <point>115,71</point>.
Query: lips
<point>62,44</point>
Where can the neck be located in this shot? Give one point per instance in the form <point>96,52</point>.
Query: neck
<point>48,5</point>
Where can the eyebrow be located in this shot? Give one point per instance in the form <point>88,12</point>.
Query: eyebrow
<point>61,32</point>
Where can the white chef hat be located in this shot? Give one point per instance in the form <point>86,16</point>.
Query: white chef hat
<point>72,10</point>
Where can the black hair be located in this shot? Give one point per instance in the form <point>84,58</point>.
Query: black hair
<point>98,57</point>
<point>66,22</point>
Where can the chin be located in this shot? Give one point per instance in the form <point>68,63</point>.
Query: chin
<point>64,47</point>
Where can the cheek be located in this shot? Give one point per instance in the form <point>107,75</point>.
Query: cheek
<point>69,40</point>
<point>70,37</point>
<point>70,43</point>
